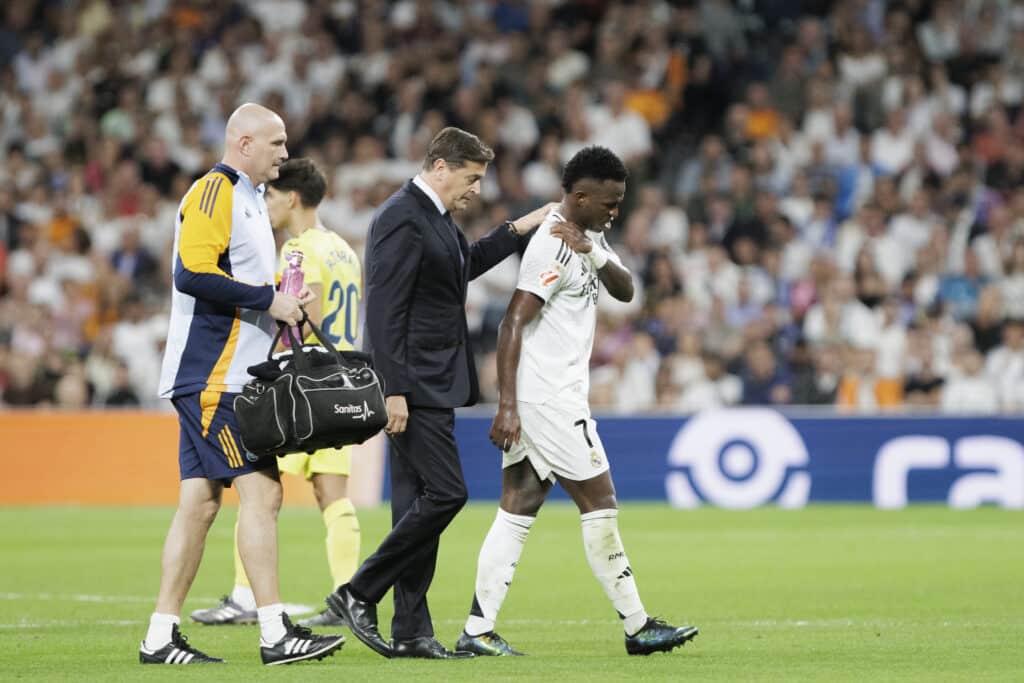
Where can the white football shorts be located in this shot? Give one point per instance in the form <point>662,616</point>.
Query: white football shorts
<point>558,441</point>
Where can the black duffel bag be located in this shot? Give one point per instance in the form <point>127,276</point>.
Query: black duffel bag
<point>309,398</point>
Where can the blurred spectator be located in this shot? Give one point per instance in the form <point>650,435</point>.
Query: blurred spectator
<point>959,292</point>
<point>764,381</point>
<point>1005,364</point>
<point>969,391</point>
<point>131,260</point>
<point>71,392</point>
<point>923,385</point>
<point>861,389</point>
<point>714,389</point>
<point>817,382</point>
<point>939,36</point>
<point>121,394</point>
<point>788,85</point>
<point>987,324</point>
<point>1012,286</point>
<point>840,318</point>
<point>713,163</point>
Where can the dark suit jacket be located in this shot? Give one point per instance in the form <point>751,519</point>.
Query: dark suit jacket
<point>415,299</point>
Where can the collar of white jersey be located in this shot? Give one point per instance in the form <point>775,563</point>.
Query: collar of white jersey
<point>257,190</point>
<point>558,217</point>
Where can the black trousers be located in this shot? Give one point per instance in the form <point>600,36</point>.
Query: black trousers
<point>427,491</point>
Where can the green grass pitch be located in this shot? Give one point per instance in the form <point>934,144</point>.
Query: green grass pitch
<point>830,593</point>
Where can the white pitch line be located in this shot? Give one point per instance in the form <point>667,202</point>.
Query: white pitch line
<point>757,623</point>
<point>83,597</point>
<point>54,623</point>
<point>290,607</point>
<point>717,623</point>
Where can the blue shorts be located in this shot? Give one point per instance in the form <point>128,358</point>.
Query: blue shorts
<point>209,445</point>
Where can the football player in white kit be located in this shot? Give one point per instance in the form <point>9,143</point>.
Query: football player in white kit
<point>543,425</point>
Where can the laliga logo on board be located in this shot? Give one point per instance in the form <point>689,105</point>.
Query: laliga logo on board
<point>738,458</point>
<point>997,461</point>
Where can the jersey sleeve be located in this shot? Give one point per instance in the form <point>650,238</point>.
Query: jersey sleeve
<point>202,263</point>
<point>544,267</point>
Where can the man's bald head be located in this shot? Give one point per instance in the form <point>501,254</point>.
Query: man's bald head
<point>254,142</point>
<point>248,120</point>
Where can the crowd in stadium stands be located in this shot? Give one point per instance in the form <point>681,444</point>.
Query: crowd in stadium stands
<point>826,201</point>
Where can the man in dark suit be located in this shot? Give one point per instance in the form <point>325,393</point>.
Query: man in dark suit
<point>418,265</point>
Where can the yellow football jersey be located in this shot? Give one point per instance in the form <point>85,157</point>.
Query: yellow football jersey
<point>327,260</point>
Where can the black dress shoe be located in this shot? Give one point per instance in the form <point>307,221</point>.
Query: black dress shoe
<point>361,617</point>
<point>425,648</point>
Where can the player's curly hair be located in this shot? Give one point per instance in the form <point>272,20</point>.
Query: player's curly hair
<point>594,162</point>
<point>302,176</point>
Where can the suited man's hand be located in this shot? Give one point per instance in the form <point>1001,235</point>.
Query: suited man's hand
<point>574,236</point>
<point>505,429</point>
<point>398,414</point>
<point>534,218</point>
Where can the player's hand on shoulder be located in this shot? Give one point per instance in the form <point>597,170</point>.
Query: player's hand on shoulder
<point>505,429</point>
<point>574,236</point>
<point>398,414</point>
<point>286,308</point>
<point>534,218</point>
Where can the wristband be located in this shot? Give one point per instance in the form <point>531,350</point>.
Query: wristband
<point>598,257</point>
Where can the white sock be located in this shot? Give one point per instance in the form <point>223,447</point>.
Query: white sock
<point>496,565</point>
<point>271,623</point>
<point>242,595</point>
<point>159,633</point>
<point>608,561</point>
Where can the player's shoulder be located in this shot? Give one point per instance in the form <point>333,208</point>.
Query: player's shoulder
<point>545,245</point>
<point>543,234</point>
<point>335,240</point>
<point>553,218</point>
<point>209,190</point>
<point>219,175</point>
<point>327,240</point>
<point>349,254</point>
<point>319,242</point>
<point>306,243</point>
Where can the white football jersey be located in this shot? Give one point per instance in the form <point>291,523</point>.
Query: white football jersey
<point>555,358</point>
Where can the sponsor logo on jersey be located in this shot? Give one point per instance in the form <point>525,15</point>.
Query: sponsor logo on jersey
<point>549,276</point>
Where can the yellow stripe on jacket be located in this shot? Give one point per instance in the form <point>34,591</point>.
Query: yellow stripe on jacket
<point>215,386</point>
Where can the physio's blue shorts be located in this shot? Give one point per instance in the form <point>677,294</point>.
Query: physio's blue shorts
<point>209,445</point>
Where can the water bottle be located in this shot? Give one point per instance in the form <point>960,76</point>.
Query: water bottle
<point>291,283</point>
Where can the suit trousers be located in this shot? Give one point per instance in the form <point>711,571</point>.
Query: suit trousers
<point>427,491</point>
